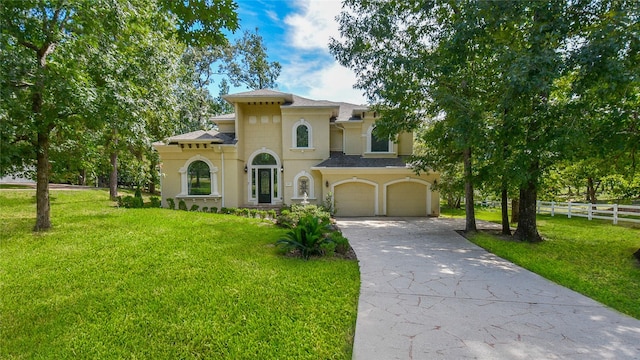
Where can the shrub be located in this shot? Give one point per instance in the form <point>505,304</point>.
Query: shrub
<point>341,242</point>
<point>172,204</point>
<point>205,209</point>
<point>289,217</point>
<point>129,202</point>
<point>272,214</point>
<point>155,202</point>
<point>308,237</point>
<point>182,205</point>
<point>194,207</point>
<point>214,210</point>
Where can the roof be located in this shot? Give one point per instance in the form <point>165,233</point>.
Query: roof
<point>202,136</point>
<point>343,111</point>
<point>339,160</point>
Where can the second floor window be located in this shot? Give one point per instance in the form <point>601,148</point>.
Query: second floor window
<point>377,144</point>
<point>302,136</point>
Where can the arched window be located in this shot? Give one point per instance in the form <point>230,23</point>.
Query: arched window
<point>264,159</point>
<point>302,135</point>
<point>375,144</point>
<point>199,178</point>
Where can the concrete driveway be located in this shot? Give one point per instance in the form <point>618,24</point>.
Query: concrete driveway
<point>428,293</point>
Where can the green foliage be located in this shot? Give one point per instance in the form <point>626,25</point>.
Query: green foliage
<point>182,205</point>
<point>172,203</point>
<point>78,294</point>
<point>130,202</point>
<point>308,237</point>
<point>214,210</point>
<point>194,207</point>
<point>341,243</point>
<point>205,209</point>
<point>289,217</point>
<point>155,202</point>
<point>247,65</point>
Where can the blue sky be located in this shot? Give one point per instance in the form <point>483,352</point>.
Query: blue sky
<point>296,34</point>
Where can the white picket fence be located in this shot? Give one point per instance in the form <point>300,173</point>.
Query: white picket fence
<point>612,212</point>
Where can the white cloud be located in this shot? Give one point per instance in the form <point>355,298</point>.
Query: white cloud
<point>313,72</point>
<point>331,81</point>
<point>315,24</point>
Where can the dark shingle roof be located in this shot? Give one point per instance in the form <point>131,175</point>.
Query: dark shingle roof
<point>338,159</point>
<point>203,136</point>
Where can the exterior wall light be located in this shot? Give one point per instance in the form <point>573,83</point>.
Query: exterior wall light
<point>245,168</point>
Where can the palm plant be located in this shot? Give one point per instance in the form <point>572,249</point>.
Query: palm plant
<point>307,236</point>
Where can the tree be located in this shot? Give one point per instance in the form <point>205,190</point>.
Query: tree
<point>246,63</point>
<point>46,45</point>
<point>491,72</point>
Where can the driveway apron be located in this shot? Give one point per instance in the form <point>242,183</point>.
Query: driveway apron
<point>428,293</point>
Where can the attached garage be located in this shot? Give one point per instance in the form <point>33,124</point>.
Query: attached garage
<point>355,199</point>
<point>407,198</point>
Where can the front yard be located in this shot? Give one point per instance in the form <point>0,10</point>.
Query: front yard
<point>109,282</point>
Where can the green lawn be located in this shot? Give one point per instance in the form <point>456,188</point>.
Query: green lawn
<point>591,257</point>
<point>108,282</point>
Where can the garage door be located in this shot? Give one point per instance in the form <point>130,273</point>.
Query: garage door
<point>354,199</point>
<point>407,199</point>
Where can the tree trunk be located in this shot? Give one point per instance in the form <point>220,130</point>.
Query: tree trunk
<point>83,177</point>
<point>43,206</point>
<point>113,176</point>
<point>515,210</point>
<point>470,218</point>
<point>591,191</point>
<point>506,228</point>
<point>527,227</point>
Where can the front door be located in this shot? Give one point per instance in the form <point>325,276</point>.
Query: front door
<point>264,186</point>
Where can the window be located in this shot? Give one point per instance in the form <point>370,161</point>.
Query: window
<point>375,144</point>
<point>264,159</point>
<point>301,134</point>
<point>199,178</point>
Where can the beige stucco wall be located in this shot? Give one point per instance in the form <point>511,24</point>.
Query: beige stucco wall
<point>268,127</point>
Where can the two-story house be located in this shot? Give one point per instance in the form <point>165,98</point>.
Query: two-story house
<point>279,148</point>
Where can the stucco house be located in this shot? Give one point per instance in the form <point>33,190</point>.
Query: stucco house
<point>279,148</point>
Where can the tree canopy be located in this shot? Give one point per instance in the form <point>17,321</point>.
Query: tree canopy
<point>506,87</point>
<point>70,66</point>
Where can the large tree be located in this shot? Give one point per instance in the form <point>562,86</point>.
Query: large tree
<point>495,77</point>
<point>46,47</point>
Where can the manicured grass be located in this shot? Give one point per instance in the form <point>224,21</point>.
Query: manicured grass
<point>591,257</point>
<point>109,282</point>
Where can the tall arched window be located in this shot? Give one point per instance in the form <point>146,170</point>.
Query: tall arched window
<point>199,178</point>
<point>302,135</point>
